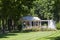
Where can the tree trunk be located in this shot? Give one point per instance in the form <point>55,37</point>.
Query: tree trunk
<point>10,25</point>
<point>14,26</point>
<point>3,26</point>
<point>13,23</point>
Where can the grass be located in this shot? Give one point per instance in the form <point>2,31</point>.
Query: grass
<point>41,35</point>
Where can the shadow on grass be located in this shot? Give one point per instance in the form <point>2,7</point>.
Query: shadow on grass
<point>14,33</point>
<point>20,31</point>
<point>6,35</point>
<point>50,38</point>
<point>24,31</point>
<point>58,28</point>
<point>54,38</point>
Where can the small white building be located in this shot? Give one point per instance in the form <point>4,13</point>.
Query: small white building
<point>30,21</point>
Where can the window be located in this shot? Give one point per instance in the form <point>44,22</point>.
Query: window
<point>32,23</point>
<point>36,23</point>
<point>27,23</point>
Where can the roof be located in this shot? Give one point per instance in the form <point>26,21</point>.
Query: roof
<point>31,18</point>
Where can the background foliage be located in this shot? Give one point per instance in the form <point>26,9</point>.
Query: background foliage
<point>12,10</point>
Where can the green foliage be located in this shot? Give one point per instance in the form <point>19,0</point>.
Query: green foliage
<point>15,9</point>
<point>36,29</point>
<point>44,8</point>
<point>47,9</point>
<point>58,26</point>
<point>20,27</point>
<point>57,10</point>
<point>32,29</point>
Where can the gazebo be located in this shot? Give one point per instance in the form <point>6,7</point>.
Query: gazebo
<point>30,21</point>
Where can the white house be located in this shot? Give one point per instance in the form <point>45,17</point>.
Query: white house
<point>30,21</point>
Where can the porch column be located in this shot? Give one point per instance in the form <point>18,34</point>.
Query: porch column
<point>48,23</point>
<point>40,23</point>
<point>33,23</point>
<point>30,24</point>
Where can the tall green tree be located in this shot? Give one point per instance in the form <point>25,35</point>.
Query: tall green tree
<point>44,8</point>
<point>57,10</point>
<point>14,9</point>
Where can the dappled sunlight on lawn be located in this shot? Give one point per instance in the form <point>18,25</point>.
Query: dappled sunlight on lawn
<point>6,35</point>
<point>41,35</point>
<point>55,36</point>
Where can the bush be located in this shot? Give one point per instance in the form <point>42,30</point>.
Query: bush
<point>49,29</point>
<point>19,27</point>
<point>32,29</point>
<point>58,26</point>
<point>36,29</point>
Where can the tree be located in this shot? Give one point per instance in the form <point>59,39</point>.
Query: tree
<point>57,10</point>
<point>44,8</point>
<point>14,9</point>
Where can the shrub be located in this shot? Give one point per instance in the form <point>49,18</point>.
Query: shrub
<point>49,29</point>
<point>19,27</point>
<point>36,29</point>
<point>32,29</point>
<point>58,26</point>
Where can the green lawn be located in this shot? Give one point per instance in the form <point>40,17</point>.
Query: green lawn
<point>42,35</point>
